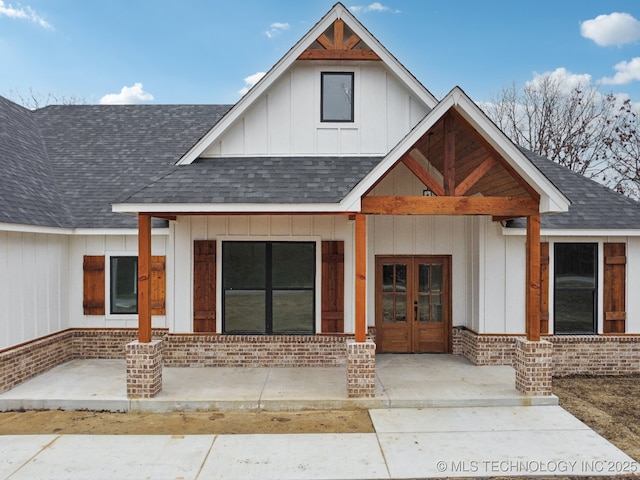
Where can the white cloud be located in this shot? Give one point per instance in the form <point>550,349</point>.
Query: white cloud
<point>250,81</point>
<point>127,96</point>
<point>23,13</point>
<point>613,29</point>
<point>276,28</point>
<point>372,7</point>
<point>627,72</point>
<point>565,78</point>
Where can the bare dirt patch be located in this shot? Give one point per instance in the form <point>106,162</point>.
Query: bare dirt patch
<point>183,423</point>
<point>609,405</point>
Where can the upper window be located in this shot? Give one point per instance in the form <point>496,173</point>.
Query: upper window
<point>576,287</point>
<point>124,285</point>
<point>268,287</point>
<point>337,97</point>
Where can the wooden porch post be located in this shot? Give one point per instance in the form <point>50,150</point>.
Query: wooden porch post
<point>361,277</point>
<point>144,278</point>
<point>533,278</point>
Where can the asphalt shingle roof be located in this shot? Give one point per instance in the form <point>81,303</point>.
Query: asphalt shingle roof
<point>63,166</point>
<point>593,206</point>
<point>28,186</point>
<point>258,180</point>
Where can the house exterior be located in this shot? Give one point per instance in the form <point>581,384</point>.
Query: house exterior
<point>337,210</point>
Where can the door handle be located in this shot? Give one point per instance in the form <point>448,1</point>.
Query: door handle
<point>415,311</point>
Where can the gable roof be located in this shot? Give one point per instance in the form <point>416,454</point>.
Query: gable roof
<point>337,12</point>
<point>593,206</point>
<point>551,198</point>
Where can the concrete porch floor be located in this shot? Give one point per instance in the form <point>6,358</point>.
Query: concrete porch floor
<point>402,381</point>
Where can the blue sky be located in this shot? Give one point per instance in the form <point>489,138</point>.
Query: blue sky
<point>188,51</point>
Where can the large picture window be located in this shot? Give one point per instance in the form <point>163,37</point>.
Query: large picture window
<point>337,97</point>
<point>576,287</point>
<point>268,287</point>
<point>124,285</point>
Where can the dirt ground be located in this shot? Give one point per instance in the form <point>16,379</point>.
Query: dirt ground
<point>609,405</point>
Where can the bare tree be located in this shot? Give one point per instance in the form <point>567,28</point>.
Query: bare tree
<point>573,125</point>
<point>33,100</point>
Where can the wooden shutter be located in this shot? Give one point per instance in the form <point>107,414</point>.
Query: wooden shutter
<point>333,286</point>
<point>158,285</point>
<point>93,285</point>
<point>204,286</point>
<point>615,314</point>
<point>544,287</point>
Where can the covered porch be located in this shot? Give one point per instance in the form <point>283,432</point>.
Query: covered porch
<point>402,381</point>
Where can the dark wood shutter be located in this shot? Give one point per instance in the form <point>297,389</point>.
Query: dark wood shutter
<point>204,286</point>
<point>544,287</point>
<point>158,285</point>
<point>332,286</point>
<point>93,285</point>
<point>615,314</point>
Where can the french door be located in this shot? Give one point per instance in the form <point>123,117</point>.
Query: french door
<point>413,304</point>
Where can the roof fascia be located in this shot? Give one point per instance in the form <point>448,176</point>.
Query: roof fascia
<point>14,227</point>
<point>566,232</point>
<point>337,12</point>
<point>552,199</point>
<point>229,208</point>
<point>17,227</point>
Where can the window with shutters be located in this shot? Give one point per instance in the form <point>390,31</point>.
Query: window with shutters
<point>110,285</point>
<point>575,287</point>
<point>268,287</point>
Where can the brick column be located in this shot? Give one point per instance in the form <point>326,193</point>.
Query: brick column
<point>144,369</point>
<point>361,369</point>
<point>533,362</point>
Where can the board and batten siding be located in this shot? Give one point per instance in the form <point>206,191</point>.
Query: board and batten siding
<point>286,120</point>
<point>186,230</point>
<point>33,285</point>
<point>106,245</point>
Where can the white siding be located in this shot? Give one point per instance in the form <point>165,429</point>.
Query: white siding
<point>286,120</point>
<point>33,285</point>
<point>633,285</point>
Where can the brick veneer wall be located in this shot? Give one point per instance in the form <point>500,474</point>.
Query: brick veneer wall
<point>533,363</point>
<point>202,350</point>
<point>572,354</point>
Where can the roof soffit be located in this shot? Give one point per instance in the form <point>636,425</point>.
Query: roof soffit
<point>309,42</point>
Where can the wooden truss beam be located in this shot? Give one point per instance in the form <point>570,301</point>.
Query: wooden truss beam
<point>425,177</point>
<point>339,48</point>
<point>500,206</point>
<point>474,176</point>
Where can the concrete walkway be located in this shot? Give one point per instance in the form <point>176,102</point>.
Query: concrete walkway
<point>448,418</point>
<point>408,443</point>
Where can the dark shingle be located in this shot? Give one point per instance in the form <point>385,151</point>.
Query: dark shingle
<point>593,206</point>
<point>258,180</point>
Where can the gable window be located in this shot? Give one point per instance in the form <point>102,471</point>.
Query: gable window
<point>124,285</point>
<point>336,97</point>
<point>575,287</point>
<point>268,287</point>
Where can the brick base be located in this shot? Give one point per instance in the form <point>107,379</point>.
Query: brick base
<point>144,369</point>
<point>361,369</point>
<point>533,363</point>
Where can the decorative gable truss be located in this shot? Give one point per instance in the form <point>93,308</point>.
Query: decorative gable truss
<point>331,45</point>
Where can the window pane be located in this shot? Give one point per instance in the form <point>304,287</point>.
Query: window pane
<point>337,97</point>
<point>423,277</point>
<point>401,278</point>
<point>293,311</point>
<point>124,284</point>
<point>293,265</point>
<point>244,311</point>
<point>574,311</point>
<point>387,278</point>
<point>575,287</point>
<point>244,265</point>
